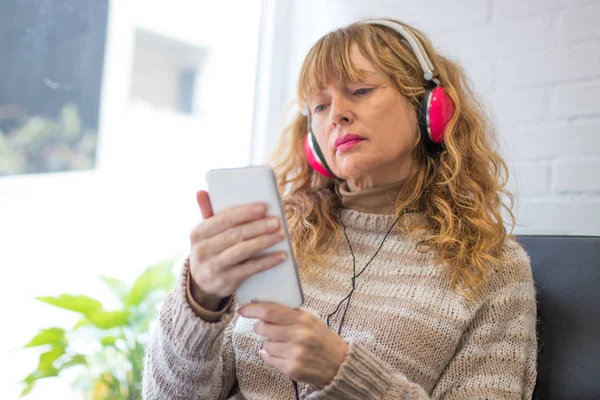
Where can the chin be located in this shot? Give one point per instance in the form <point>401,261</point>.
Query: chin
<point>353,169</point>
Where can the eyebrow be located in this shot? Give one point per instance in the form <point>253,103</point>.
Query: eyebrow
<point>366,72</point>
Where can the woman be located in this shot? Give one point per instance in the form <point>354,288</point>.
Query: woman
<point>413,289</point>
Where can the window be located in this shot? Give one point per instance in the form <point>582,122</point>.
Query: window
<point>168,82</point>
<point>131,102</point>
<point>51,77</point>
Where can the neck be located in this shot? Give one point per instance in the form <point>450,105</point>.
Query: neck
<point>376,179</point>
<point>378,200</point>
<point>358,185</point>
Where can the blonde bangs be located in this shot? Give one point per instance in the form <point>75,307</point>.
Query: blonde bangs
<point>328,61</point>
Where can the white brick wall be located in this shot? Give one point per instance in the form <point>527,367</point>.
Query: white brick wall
<point>579,99</point>
<point>581,23</point>
<point>578,175</point>
<point>530,8</point>
<point>574,61</point>
<point>536,64</point>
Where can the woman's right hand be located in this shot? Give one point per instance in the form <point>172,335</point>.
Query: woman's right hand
<point>224,246</point>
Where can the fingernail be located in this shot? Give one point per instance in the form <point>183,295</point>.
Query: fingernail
<point>273,224</point>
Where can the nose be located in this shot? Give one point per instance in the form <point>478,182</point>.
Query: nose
<point>340,112</point>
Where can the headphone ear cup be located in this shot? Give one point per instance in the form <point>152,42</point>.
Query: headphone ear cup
<point>437,109</point>
<point>315,157</point>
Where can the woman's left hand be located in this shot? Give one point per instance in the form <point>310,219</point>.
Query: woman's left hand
<point>298,343</point>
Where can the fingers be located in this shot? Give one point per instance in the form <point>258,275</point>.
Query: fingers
<point>225,266</point>
<point>245,250</point>
<point>272,312</point>
<point>204,203</point>
<point>284,358</point>
<point>226,282</point>
<point>278,349</point>
<point>237,234</point>
<point>278,362</point>
<point>256,265</point>
<point>227,219</point>
<point>274,332</point>
<point>225,245</point>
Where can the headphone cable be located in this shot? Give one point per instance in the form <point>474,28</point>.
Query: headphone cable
<point>353,279</point>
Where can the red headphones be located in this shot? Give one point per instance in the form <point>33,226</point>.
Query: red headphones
<point>435,112</point>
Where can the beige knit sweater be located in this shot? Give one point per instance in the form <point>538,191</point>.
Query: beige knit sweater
<point>409,335</point>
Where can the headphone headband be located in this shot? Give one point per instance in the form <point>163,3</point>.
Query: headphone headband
<point>429,72</point>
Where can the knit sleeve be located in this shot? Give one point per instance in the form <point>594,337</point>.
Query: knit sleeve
<point>188,358</point>
<point>496,357</point>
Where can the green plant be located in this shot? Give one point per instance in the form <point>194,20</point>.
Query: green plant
<point>40,144</point>
<point>106,345</point>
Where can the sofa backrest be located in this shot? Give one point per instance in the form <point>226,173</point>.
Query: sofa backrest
<point>566,271</point>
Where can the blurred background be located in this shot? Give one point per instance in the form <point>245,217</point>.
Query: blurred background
<point>112,111</point>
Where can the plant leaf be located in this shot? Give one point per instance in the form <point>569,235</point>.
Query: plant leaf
<point>78,303</point>
<point>120,288</point>
<point>28,388</point>
<point>156,277</point>
<point>78,359</point>
<point>108,319</point>
<point>48,336</point>
<point>35,376</point>
<point>83,322</point>
<point>30,383</point>
<point>108,341</point>
<point>46,365</point>
<point>47,369</point>
<point>136,358</point>
<point>107,387</point>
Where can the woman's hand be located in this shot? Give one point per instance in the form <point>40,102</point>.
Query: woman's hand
<point>224,246</point>
<point>298,343</point>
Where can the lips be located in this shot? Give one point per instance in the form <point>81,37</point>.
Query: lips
<point>347,138</point>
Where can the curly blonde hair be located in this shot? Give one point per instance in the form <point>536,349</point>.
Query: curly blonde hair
<point>460,190</point>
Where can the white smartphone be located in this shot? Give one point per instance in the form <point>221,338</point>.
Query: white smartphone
<point>238,186</point>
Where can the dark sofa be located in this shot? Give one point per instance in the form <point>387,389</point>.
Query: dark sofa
<point>566,271</point>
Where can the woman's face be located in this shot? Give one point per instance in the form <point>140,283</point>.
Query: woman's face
<point>366,130</point>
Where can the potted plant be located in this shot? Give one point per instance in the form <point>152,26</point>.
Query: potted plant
<point>107,346</point>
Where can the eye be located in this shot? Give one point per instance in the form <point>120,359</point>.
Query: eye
<point>320,107</point>
<point>362,91</point>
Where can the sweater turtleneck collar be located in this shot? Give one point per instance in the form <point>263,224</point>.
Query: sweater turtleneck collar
<point>379,200</point>
<point>373,209</point>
